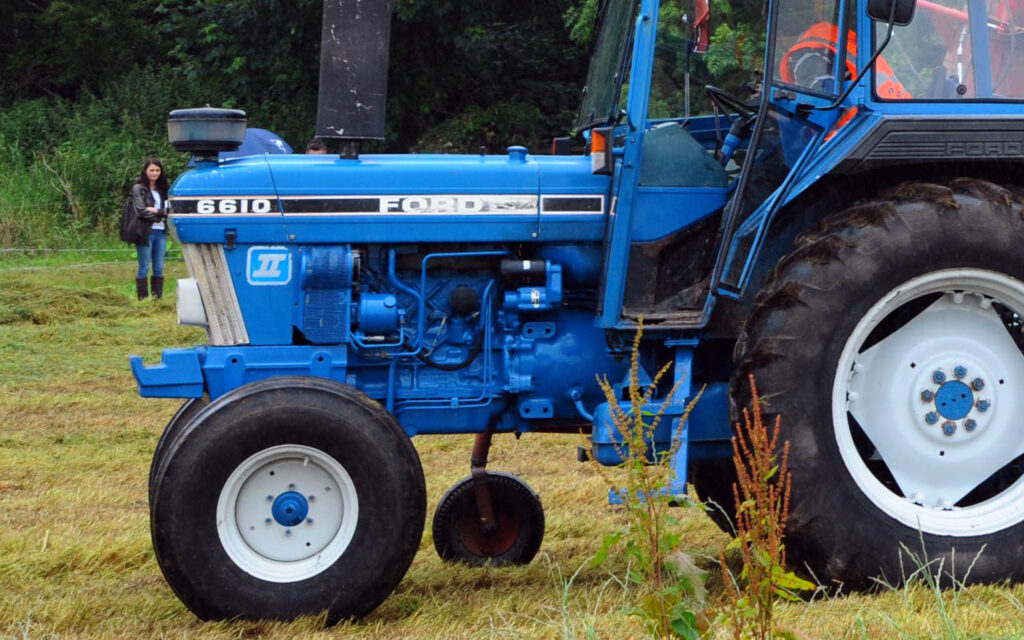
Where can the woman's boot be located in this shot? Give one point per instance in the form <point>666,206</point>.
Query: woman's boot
<point>140,288</point>
<point>158,286</point>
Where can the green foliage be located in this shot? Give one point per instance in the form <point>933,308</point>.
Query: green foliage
<point>581,20</point>
<point>458,61</point>
<point>65,167</point>
<point>671,587</point>
<point>261,56</point>
<point>494,127</point>
<point>60,47</point>
<point>735,50</point>
<point>85,88</point>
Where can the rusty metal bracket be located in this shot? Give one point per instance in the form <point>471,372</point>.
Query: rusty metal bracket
<point>478,471</point>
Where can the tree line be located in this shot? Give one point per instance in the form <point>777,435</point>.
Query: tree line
<point>85,87</point>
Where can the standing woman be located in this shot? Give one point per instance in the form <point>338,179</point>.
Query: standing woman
<point>149,193</point>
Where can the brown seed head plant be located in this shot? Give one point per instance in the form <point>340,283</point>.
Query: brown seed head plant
<point>762,495</point>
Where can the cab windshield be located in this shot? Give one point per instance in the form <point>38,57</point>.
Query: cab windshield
<point>607,63</point>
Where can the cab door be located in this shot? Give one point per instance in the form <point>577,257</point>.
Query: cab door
<point>811,54</point>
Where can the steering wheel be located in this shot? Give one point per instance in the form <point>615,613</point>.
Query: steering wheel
<point>728,103</point>
<point>741,123</point>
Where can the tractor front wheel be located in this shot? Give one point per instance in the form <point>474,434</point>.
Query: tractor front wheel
<point>188,410</point>
<point>288,497</point>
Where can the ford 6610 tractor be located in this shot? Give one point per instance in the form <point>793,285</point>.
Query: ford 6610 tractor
<point>852,236</point>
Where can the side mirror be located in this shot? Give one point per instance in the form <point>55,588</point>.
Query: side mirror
<point>902,11</point>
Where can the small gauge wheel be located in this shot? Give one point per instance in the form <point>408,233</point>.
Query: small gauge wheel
<point>518,523</point>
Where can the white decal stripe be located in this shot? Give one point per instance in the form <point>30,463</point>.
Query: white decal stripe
<point>200,216</point>
<point>406,206</point>
<point>424,205</point>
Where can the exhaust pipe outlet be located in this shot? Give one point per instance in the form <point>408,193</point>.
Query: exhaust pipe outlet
<point>353,72</point>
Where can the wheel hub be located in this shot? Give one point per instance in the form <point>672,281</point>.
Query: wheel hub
<point>290,508</point>
<point>286,511</point>
<point>949,405</point>
<point>953,400</point>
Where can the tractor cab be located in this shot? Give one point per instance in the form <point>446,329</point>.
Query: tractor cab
<point>707,141</point>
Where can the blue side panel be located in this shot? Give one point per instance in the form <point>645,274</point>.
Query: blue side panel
<point>662,211</point>
<point>267,229</point>
<point>249,177</point>
<point>226,368</point>
<point>572,218</point>
<point>238,177</point>
<point>417,198</point>
<point>265,277</point>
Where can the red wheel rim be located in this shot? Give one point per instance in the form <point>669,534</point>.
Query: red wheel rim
<point>494,543</point>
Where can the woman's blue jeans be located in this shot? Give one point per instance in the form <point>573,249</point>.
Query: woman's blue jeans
<point>152,253</point>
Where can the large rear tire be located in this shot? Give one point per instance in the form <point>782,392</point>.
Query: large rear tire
<point>288,497</point>
<point>713,481</point>
<point>890,343</point>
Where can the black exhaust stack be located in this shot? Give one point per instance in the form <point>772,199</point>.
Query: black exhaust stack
<point>353,72</point>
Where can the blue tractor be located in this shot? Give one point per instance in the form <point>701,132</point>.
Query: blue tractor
<point>849,232</point>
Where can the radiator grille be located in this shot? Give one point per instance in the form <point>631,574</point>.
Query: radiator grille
<point>207,264</point>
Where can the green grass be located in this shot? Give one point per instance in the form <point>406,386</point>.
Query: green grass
<point>75,554</point>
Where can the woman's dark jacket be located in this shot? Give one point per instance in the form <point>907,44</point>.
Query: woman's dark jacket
<point>135,228</point>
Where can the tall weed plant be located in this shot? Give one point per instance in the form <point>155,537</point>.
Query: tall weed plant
<point>670,588</point>
<point>762,508</point>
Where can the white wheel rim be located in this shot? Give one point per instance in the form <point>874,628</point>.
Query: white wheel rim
<point>941,447</point>
<point>287,513</point>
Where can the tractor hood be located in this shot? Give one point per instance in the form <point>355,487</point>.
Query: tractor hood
<point>394,198</point>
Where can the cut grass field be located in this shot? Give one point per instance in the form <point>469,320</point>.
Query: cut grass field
<point>75,553</point>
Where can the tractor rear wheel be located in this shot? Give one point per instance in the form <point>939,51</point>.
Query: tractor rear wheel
<point>890,342</point>
<point>288,497</point>
<point>713,480</point>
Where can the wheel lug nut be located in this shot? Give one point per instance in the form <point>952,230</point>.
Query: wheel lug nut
<point>938,377</point>
<point>960,371</point>
<point>970,424</point>
<point>948,427</point>
<point>977,384</point>
<point>312,498</point>
<point>983,405</point>
<point>927,395</point>
<point>268,521</point>
<point>270,498</point>
<point>931,417</point>
<point>309,520</point>
<point>287,532</point>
